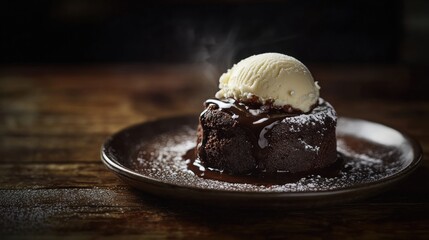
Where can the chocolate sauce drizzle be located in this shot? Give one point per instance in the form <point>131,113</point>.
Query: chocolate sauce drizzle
<point>256,118</point>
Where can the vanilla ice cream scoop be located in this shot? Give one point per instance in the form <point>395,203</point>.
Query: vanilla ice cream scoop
<point>273,77</point>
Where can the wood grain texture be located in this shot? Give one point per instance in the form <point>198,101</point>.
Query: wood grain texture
<point>53,185</point>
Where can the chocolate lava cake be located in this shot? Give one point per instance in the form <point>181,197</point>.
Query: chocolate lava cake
<point>241,138</point>
<point>267,117</point>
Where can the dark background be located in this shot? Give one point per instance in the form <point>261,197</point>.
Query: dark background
<point>113,31</point>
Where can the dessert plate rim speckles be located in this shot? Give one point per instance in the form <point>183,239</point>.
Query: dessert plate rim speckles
<point>166,140</point>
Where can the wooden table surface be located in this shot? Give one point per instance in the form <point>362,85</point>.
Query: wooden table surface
<point>53,120</point>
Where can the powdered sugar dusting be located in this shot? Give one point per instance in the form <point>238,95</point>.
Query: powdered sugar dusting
<point>319,114</point>
<point>367,158</point>
<point>364,162</point>
<point>309,147</point>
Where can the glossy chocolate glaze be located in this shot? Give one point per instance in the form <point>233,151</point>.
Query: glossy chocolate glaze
<point>256,118</point>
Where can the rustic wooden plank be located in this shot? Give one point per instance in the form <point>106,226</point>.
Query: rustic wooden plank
<point>121,211</point>
<point>50,148</point>
<point>56,175</point>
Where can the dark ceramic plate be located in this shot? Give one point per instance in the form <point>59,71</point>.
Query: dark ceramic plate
<point>152,157</point>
